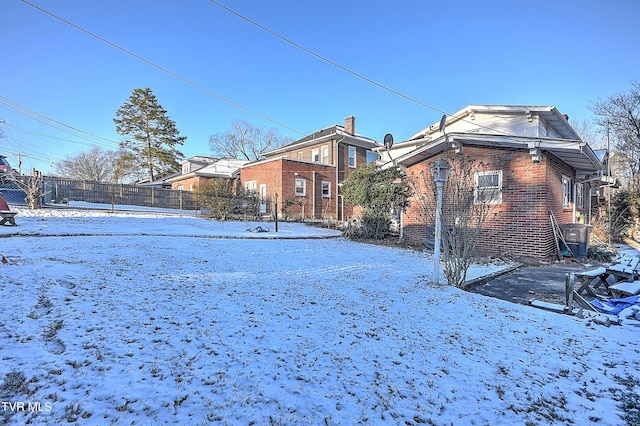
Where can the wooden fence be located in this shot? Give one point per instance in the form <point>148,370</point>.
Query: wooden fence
<point>57,190</point>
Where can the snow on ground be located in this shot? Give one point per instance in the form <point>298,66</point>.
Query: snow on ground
<point>148,318</point>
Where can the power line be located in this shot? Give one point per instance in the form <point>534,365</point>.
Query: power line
<point>34,115</point>
<point>165,70</point>
<point>327,60</point>
<point>345,69</point>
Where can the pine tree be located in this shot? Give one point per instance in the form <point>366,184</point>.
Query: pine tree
<point>151,136</point>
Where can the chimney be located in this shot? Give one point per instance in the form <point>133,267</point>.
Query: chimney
<point>566,117</point>
<point>350,125</point>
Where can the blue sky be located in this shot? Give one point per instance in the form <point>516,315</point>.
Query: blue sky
<point>445,55</point>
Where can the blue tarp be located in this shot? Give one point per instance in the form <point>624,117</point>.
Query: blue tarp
<point>615,306</point>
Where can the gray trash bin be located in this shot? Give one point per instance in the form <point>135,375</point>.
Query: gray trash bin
<point>577,237</point>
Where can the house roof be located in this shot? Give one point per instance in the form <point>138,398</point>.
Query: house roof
<point>200,159</point>
<point>576,154</point>
<point>499,133</point>
<point>550,114</point>
<point>324,135</point>
<point>288,159</point>
<point>222,167</point>
<point>158,182</point>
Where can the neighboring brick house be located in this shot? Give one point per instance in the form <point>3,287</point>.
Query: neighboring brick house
<point>529,157</point>
<point>199,169</point>
<point>307,173</point>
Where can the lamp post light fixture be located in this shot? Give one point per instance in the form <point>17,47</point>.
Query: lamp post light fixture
<point>440,172</point>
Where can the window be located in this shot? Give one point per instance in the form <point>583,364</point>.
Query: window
<point>372,156</point>
<point>488,187</point>
<point>326,189</point>
<point>250,186</point>
<point>300,155</point>
<point>579,195</point>
<point>186,168</point>
<point>325,154</point>
<point>315,155</point>
<point>300,187</point>
<point>566,191</point>
<point>352,156</point>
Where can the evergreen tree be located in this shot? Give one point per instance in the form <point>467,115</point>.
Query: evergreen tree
<point>151,136</point>
<point>379,193</point>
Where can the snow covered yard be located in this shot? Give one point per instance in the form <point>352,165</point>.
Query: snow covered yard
<point>152,319</point>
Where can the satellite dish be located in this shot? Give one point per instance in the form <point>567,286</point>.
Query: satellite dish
<point>388,141</point>
<point>442,121</point>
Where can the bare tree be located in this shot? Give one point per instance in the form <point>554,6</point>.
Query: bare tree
<point>246,141</point>
<point>466,211</point>
<point>619,115</point>
<point>33,187</point>
<point>590,132</point>
<point>125,168</point>
<point>96,165</point>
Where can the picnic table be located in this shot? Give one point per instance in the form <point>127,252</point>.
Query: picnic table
<point>623,271</point>
<point>8,216</point>
<point>625,289</point>
<point>592,280</point>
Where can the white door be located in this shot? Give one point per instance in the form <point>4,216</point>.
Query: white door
<point>263,198</point>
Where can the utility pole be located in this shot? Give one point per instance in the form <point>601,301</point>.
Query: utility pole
<point>609,186</point>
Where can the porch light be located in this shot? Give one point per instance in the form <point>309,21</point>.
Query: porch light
<point>534,151</point>
<point>440,170</point>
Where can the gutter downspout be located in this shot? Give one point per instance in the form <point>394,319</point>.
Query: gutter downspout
<point>337,154</point>
<point>575,197</point>
<point>313,200</point>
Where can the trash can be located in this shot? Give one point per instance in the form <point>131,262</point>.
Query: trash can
<point>577,237</point>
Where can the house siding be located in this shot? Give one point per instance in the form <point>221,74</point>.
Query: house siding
<point>521,225</point>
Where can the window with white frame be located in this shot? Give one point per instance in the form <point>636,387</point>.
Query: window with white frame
<point>325,154</point>
<point>301,187</point>
<point>488,187</point>
<point>315,155</point>
<point>352,156</point>
<point>566,191</point>
<point>250,186</point>
<point>579,195</point>
<point>300,155</point>
<point>372,156</point>
<point>326,189</point>
<point>186,168</point>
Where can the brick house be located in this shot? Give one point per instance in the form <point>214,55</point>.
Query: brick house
<point>199,169</point>
<point>528,158</point>
<point>306,174</point>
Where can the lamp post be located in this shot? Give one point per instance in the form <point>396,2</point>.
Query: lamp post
<point>440,172</point>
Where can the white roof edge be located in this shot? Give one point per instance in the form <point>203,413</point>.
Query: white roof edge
<point>282,157</point>
<point>467,110</point>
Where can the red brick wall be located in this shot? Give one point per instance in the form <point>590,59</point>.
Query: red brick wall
<point>188,184</point>
<point>520,226</point>
<point>307,152</point>
<point>280,175</point>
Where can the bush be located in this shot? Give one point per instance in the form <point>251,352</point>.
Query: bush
<point>217,196</point>
<point>378,192</point>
